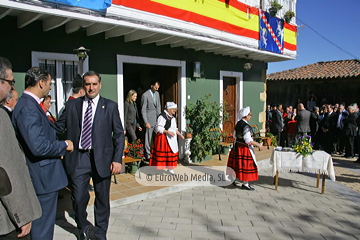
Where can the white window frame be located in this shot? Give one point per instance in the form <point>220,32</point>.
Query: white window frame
<point>37,56</point>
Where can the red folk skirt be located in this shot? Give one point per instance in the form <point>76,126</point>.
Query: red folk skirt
<point>241,161</point>
<point>161,154</point>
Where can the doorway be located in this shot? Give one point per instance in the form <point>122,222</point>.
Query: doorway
<point>169,90</point>
<point>140,76</point>
<point>231,91</point>
<point>229,97</point>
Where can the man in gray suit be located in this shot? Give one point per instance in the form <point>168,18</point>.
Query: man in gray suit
<point>19,208</point>
<point>150,110</point>
<point>302,121</point>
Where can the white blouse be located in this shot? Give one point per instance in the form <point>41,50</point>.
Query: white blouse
<point>160,127</point>
<point>247,136</point>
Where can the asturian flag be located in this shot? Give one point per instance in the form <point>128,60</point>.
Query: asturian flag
<point>98,5</point>
<point>271,33</point>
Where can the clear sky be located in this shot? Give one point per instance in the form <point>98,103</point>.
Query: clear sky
<point>336,20</point>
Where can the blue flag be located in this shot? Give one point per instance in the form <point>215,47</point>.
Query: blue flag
<point>98,5</point>
<point>271,33</point>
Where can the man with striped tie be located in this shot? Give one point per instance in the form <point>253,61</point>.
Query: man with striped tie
<point>93,124</point>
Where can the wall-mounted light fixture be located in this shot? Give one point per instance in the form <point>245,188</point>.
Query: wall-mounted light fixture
<point>197,72</point>
<point>247,65</point>
<point>81,52</point>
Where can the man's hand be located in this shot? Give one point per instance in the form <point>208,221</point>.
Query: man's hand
<point>70,147</point>
<point>25,230</point>
<point>140,129</point>
<point>147,125</point>
<point>115,168</point>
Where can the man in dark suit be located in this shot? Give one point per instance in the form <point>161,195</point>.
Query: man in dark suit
<point>150,110</point>
<point>276,125</point>
<point>43,152</point>
<point>314,126</point>
<point>328,125</point>
<point>350,132</point>
<point>302,121</point>
<point>93,124</point>
<point>20,207</point>
<point>10,102</point>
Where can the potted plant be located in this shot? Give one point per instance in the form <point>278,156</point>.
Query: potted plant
<point>188,131</point>
<point>202,116</point>
<point>288,16</point>
<point>275,7</point>
<point>134,150</point>
<point>273,139</point>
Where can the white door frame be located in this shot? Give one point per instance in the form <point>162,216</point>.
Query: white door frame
<point>239,89</point>
<point>36,56</point>
<point>121,59</point>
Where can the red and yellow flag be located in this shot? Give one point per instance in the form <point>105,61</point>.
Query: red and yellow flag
<point>229,16</point>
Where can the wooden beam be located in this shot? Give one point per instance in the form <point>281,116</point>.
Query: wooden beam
<point>156,38</point>
<point>75,25</point>
<point>139,34</point>
<point>98,28</point>
<point>118,31</point>
<point>26,18</point>
<point>4,12</point>
<point>54,22</point>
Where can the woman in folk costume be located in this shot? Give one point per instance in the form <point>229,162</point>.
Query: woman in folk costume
<point>242,157</point>
<point>165,152</point>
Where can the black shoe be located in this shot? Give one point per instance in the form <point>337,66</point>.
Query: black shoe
<point>91,188</point>
<point>85,234</point>
<point>248,187</point>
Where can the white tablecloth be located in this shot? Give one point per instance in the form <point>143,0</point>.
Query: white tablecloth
<point>318,161</point>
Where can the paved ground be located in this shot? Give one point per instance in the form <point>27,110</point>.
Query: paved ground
<point>296,211</point>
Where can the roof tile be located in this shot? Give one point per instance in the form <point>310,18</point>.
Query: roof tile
<point>320,70</point>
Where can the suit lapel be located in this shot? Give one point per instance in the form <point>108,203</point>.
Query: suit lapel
<point>78,107</point>
<point>100,110</point>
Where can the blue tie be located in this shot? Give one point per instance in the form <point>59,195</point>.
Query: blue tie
<point>87,127</point>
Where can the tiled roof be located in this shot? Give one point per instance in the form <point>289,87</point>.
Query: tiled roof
<point>320,70</point>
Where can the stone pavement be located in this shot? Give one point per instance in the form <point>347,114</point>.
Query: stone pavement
<point>296,210</point>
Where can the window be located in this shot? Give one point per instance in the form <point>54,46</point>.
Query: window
<point>63,69</point>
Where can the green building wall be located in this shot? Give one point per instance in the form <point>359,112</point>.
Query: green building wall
<point>102,59</point>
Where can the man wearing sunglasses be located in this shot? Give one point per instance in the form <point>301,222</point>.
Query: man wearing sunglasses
<point>19,208</point>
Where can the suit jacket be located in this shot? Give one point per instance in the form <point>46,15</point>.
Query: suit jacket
<point>21,205</point>
<point>277,121</point>
<point>303,121</point>
<point>314,122</point>
<point>7,111</point>
<point>37,137</point>
<point>131,113</point>
<point>329,121</point>
<point>149,110</point>
<point>107,134</point>
<point>350,125</point>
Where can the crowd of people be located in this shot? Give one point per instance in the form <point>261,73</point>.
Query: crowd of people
<point>334,128</point>
<point>42,154</point>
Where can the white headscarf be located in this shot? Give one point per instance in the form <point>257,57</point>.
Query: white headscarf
<point>243,112</point>
<point>170,105</point>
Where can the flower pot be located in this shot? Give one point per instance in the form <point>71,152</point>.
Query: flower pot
<point>273,11</point>
<point>132,167</point>
<point>287,19</point>
<point>225,149</point>
<point>188,135</point>
<point>266,141</point>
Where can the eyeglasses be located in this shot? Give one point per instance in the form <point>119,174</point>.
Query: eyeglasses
<point>11,82</point>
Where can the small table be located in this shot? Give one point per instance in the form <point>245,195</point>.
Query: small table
<point>319,162</point>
